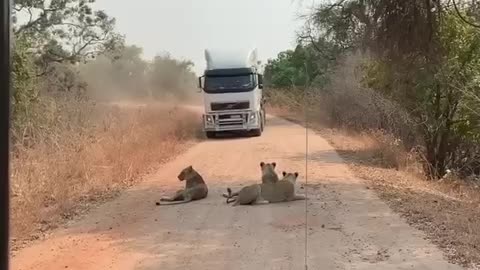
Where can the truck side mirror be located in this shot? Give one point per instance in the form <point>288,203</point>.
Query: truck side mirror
<point>260,81</point>
<point>200,83</point>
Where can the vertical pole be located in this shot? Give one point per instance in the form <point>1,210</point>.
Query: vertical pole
<point>5,32</point>
<point>306,108</point>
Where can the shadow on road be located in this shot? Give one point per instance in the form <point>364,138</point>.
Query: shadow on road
<point>231,135</point>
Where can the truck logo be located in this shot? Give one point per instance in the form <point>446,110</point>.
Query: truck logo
<point>230,106</point>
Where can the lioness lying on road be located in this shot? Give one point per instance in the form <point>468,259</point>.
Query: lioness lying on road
<point>251,194</point>
<point>283,190</point>
<point>195,188</point>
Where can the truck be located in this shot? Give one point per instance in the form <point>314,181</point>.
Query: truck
<point>232,86</point>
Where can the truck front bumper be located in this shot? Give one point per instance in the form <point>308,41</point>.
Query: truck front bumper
<point>230,121</point>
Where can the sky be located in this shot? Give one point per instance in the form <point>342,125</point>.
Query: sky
<point>185,28</point>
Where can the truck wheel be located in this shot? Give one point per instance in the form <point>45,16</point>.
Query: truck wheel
<point>210,134</point>
<point>257,132</point>
<point>264,117</point>
<point>263,122</point>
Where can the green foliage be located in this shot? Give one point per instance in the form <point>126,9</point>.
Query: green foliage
<point>297,68</point>
<point>64,30</point>
<point>282,71</point>
<point>23,83</point>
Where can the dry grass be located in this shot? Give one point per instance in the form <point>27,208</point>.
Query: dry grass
<point>86,152</point>
<point>447,210</point>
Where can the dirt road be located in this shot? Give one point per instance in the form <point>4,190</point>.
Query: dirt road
<point>347,226</point>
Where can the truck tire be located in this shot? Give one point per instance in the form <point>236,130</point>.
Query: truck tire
<point>257,132</point>
<point>264,120</point>
<point>210,134</point>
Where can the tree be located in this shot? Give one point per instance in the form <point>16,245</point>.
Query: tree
<point>118,74</point>
<point>422,55</point>
<point>298,67</point>
<point>64,30</point>
<point>23,82</point>
<point>170,76</point>
<point>425,56</point>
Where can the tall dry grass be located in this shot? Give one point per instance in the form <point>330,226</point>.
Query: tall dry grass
<point>345,105</point>
<point>80,151</point>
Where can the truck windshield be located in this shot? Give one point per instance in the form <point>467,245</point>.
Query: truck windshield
<point>224,84</point>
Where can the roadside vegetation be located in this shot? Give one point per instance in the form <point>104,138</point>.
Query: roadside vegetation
<point>394,86</point>
<point>73,142</point>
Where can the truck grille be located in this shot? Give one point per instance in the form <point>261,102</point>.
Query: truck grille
<point>230,106</point>
<point>232,119</point>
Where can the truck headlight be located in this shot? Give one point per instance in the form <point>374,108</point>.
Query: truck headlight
<point>209,119</point>
<point>252,118</point>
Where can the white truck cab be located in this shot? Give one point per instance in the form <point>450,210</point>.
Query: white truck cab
<point>232,86</point>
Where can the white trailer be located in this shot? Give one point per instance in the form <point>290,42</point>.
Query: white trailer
<point>232,86</point>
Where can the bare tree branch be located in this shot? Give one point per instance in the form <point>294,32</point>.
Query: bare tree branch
<point>316,47</point>
<point>459,14</point>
